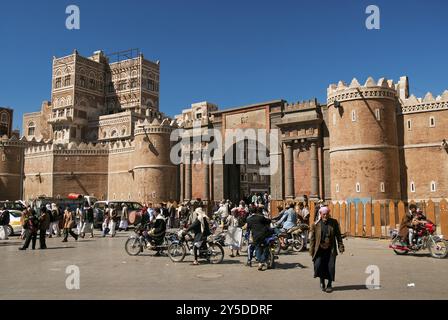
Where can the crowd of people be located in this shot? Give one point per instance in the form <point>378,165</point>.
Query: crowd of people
<point>252,217</point>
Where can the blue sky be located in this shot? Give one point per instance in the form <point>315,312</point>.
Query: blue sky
<point>230,52</point>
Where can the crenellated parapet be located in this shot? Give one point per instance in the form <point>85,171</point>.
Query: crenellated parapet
<point>382,89</point>
<point>155,126</point>
<point>121,146</point>
<point>300,105</point>
<point>428,103</point>
<point>69,149</point>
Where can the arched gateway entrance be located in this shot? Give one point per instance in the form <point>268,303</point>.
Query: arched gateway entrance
<point>294,145</point>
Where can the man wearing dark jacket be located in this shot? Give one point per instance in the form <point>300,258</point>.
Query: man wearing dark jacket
<point>157,233</point>
<point>44,224</point>
<point>32,224</point>
<point>259,226</point>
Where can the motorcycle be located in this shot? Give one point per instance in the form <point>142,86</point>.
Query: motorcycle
<point>425,238</point>
<point>273,245</point>
<point>210,250</point>
<point>137,242</point>
<point>294,237</point>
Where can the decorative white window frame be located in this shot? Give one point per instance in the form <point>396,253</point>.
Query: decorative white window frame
<point>432,122</point>
<point>378,114</point>
<point>433,186</point>
<point>412,186</point>
<point>358,187</point>
<point>382,187</point>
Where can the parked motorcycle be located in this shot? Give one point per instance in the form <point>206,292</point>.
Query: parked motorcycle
<point>141,240</point>
<point>211,250</point>
<point>425,238</point>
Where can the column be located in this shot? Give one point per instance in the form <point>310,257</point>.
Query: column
<point>289,171</point>
<point>182,182</point>
<point>206,168</point>
<point>314,171</point>
<point>188,176</point>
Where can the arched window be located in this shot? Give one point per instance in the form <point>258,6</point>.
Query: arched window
<point>4,118</point>
<point>113,133</point>
<point>31,128</point>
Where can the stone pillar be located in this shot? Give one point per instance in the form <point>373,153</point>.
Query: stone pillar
<point>314,170</point>
<point>182,182</point>
<point>188,176</point>
<point>289,171</point>
<point>206,179</point>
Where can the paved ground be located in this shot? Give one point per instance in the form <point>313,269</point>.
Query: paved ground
<point>107,272</point>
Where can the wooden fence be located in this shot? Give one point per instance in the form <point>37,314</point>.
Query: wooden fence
<point>377,219</point>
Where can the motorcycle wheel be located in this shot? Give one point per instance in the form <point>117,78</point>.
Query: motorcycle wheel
<point>278,247</point>
<point>298,243</point>
<point>397,241</point>
<point>216,253</point>
<point>244,245</point>
<point>439,249</point>
<point>176,252</point>
<point>271,260</point>
<point>133,246</point>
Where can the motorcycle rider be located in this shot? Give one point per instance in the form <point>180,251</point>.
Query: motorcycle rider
<point>406,225</point>
<point>288,220</point>
<point>259,226</point>
<point>418,221</point>
<point>157,232</point>
<point>201,229</point>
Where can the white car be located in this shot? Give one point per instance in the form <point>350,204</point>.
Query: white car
<point>14,227</point>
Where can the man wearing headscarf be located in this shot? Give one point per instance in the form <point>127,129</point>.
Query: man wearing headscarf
<point>201,230</point>
<point>157,233</point>
<point>325,240</point>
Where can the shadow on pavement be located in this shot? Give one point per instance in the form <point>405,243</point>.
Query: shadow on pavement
<point>295,265</point>
<point>230,261</point>
<point>55,248</point>
<point>10,243</point>
<point>351,287</point>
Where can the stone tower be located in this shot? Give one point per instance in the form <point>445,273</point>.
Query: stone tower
<point>11,167</point>
<point>154,174</point>
<point>362,122</point>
